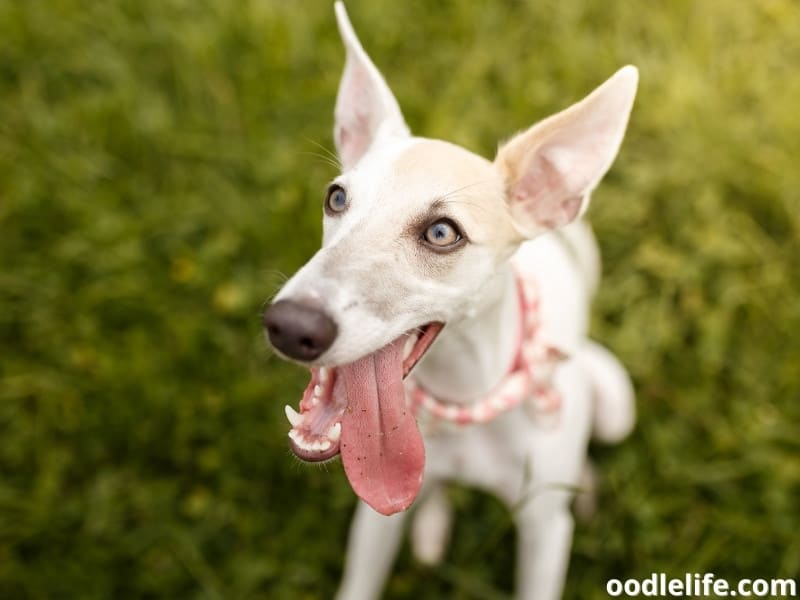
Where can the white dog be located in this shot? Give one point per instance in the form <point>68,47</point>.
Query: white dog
<point>424,241</point>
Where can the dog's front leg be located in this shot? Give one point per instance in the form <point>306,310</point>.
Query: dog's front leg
<point>544,537</point>
<point>553,466</point>
<point>374,539</point>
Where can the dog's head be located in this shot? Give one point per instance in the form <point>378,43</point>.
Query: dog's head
<point>414,229</point>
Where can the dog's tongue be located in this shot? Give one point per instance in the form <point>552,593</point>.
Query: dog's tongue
<point>381,446</point>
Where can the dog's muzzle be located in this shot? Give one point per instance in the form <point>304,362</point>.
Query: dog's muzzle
<point>299,331</point>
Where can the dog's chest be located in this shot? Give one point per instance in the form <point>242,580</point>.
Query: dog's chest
<point>489,456</point>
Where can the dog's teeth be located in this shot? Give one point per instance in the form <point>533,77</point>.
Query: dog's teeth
<point>317,390</point>
<point>324,445</point>
<point>335,432</point>
<point>294,417</point>
<point>323,375</point>
<point>315,400</point>
<point>411,341</point>
<point>300,440</point>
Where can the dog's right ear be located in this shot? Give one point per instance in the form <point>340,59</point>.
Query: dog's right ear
<point>366,110</point>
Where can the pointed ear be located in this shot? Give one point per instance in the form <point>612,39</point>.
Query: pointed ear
<point>365,107</point>
<point>551,168</point>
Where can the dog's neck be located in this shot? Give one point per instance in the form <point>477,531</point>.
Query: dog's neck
<point>472,356</point>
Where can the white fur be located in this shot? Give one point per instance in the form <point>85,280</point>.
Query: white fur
<point>376,279</point>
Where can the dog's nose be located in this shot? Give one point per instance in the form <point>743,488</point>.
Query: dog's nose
<point>299,331</point>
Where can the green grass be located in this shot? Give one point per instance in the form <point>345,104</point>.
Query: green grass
<point>159,174</point>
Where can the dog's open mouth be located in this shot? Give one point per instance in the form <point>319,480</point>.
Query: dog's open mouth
<point>359,410</point>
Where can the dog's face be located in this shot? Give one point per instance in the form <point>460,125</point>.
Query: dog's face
<point>411,235</point>
<point>414,230</point>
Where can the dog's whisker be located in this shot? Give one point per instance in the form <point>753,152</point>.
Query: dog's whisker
<point>447,195</point>
<point>325,149</point>
<point>331,163</point>
<point>270,298</point>
<point>475,205</point>
<point>275,286</point>
<point>330,156</point>
<point>277,274</point>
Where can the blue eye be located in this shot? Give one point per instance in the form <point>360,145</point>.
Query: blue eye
<point>336,201</point>
<point>442,234</point>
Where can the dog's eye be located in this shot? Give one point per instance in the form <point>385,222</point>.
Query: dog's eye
<point>336,200</point>
<point>442,234</point>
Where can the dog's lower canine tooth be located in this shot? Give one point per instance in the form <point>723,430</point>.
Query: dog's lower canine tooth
<point>294,417</point>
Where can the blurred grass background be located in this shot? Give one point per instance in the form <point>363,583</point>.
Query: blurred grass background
<point>160,174</point>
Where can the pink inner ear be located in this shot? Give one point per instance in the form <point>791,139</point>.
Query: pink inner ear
<point>353,139</point>
<point>355,108</point>
<point>541,195</point>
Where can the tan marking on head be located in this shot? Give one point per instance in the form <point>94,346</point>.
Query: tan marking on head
<point>380,260</point>
<point>470,186</point>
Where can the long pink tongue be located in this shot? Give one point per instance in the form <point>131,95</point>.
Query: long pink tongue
<point>381,446</point>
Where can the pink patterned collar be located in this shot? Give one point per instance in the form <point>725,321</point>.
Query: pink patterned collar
<point>528,383</point>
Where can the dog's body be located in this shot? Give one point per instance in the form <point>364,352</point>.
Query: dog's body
<point>534,468</point>
<point>421,233</point>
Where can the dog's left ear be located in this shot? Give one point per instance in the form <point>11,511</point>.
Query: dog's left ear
<point>551,168</point>
<point>366,110</point>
